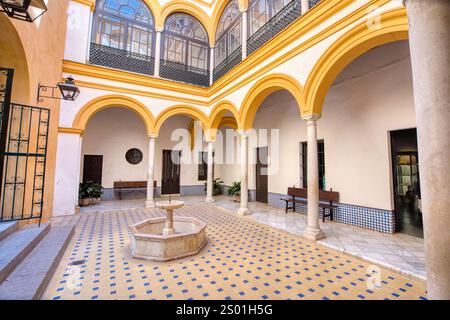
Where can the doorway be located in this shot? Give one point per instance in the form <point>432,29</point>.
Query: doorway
<point>262,175</point>
<point>170,183</point>
<point>93,168</point>
<point>407,195</point>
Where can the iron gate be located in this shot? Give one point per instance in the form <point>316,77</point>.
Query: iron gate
<point>23,150</point>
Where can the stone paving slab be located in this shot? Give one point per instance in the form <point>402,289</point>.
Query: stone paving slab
<point>30,279</point>
<point>17,246</point>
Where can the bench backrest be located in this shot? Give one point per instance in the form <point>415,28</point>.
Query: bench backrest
<point>323,194</point>
<point>129,184</point>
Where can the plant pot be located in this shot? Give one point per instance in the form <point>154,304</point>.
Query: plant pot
<point>84,202</point>
<point>237,198</point>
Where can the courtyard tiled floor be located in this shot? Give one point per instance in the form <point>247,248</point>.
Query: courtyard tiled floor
<point>243,259</point>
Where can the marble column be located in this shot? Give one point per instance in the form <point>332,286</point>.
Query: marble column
<point>150,203</point>
<point>244,31</point>
<point>209,182</point>
<point>80,155</point>
<point>429,40</point>
<point>211,66</point>
<point>312,230</point>
<point>305,6</point>
<point>157,52</point>
<point>244,210</point>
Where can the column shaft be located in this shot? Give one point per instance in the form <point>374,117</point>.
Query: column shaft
<point>244,32</point>
<point>429,41</point>
<point>209,182</point>
<point>305,6</point>
<point>312,230</point>
<point>157,53</point>
<point>150,203</point>
<point>211,67</point>
<point>244,210</point>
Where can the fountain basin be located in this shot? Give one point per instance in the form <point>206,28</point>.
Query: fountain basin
<point>150,242</point>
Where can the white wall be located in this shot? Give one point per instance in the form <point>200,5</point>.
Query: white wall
<point>67,174</point>
<point>112,132</point>
<point>371,97</point>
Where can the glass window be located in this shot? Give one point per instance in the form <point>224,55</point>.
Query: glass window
<point>185,41</point>
<point>228,34</point>
<point>134,156</point>
<point>261,11</point>
<point>259,14</point>
<point>125,25</point>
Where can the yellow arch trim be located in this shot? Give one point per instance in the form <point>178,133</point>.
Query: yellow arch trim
<point>183,110</point>
<point>219,111</point>
<point>186,7</point>
<point>229,122</point>
<point>261,90</point>
<point>394,27</point>
<point>113,101</point>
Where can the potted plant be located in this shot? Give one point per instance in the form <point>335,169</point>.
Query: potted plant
<point>235,191</point>
<point>217,186</point>
<point>89,190</point>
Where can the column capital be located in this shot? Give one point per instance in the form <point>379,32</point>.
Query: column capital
<point>311,117</point>
<point>244,133</point>
<point>159,29</point>
<point>152,135</point>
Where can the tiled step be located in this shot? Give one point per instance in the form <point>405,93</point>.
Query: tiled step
<point>30,279</point>
<point>7,228</point>
<point>17,246</point>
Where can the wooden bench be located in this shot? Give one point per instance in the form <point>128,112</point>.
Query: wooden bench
<point>139,185</point>
<point>330,197</point>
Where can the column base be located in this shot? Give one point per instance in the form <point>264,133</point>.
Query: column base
<point>150,204</point>
<point>313,234</point>
<point>209,200</point>
<point>244,211</point>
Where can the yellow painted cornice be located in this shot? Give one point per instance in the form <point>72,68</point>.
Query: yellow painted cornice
<point>71,131</point>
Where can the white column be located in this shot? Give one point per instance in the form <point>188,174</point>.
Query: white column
<point>429,41</point>
<point>312,230</point>
<point>80,146</point>
<point>157,52</point>
<point>244,210</point>
<point>211,66</point>
<point>209,182</point>
<point>244,31</point>
<point>150,203</point>
<point>305,6</point>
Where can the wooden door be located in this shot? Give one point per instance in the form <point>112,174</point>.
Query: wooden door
<point>170,183</point>
<point>261,175</point>
<point>93,168</point>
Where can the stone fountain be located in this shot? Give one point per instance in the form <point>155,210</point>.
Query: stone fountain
<point>169,238</point>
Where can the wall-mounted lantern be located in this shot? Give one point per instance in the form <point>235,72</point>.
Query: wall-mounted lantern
<point>69,91</point>
<point>25,10</point>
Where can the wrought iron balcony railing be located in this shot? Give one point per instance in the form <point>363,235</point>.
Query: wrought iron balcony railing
<point>226,65</point>
<point>121,59</point>
<point>184,73</point>
<point>278,22</point>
